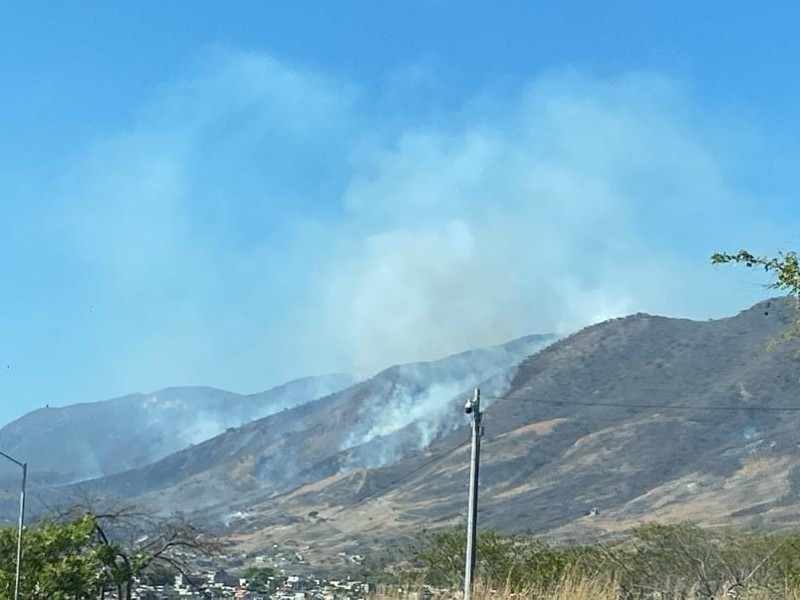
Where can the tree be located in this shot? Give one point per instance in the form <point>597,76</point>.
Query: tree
<point>515,562</point>
<point>784,267</point>
<point>132,543</point>
<point>258,578</point>
<point>61,561</point>
<point>681,560</point>
<point>82,554</point>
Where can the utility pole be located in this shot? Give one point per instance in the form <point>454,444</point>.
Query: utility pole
<point>473,407</point>
<point>24,467</point>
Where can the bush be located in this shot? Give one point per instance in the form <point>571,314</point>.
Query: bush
<point>674,561</point>
<point>678,558</point>
<point>509,561</point>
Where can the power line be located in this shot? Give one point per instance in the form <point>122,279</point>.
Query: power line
<point>662,406</point>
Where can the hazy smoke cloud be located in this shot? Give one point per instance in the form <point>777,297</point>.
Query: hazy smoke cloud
<point>175,418</point>
<point>416,403</point>
<point>585,200</point>
<point>258,222</point>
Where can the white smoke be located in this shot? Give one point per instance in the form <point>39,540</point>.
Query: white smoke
<point>563,212</point>
<point>290,226</point>
<point>417,403</point>
<point>402,406</point>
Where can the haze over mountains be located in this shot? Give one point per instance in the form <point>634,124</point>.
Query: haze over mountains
<point>391,416</point>
<point>125,443</point>
<point>84,441</point>
<point>643,418</point>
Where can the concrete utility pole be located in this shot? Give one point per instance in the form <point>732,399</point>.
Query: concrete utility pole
<point>24,467</point>
<point>473,407</point>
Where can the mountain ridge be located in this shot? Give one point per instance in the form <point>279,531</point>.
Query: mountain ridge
<point>327,442</point>
<point>638,418</point>
<point>85,440</point>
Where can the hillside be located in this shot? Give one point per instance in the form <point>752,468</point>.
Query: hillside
<point>643,418</point>
<point>84,441</point>
<point>391,416</point>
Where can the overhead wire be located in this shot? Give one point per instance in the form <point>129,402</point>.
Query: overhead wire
<point>661,406</point>
<point>674,406</point>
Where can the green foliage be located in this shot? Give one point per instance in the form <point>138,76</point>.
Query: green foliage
<point>60,561</point>
<point>785,270</point>
<point>159,576</point>
<point>509,561</point>
<point>683,557</point>
<point>258,578</point>
<point>77,558</point>
<point>784,267</point>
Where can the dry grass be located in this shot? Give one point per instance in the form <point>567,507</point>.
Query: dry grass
<point>575,588</point>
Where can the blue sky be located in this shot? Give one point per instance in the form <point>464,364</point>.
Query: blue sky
<point>234,194</point>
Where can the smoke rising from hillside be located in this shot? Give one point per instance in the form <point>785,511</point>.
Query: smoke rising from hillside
<point>414,404</point>
<point>259,222</point>
<point>555,215</point>
<point>193,416</point>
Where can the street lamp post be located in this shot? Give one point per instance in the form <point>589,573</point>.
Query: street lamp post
<point>24,467</point>
<point>473,408</point>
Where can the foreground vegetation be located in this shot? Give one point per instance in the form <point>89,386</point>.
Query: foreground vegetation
<point>87,555</point>
<point>682,561</point>
<point>576,588</point>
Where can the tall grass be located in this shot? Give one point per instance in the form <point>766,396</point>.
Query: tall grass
<point>577,587</point>
<point>657,562</point>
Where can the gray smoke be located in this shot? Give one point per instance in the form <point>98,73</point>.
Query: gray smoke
<point>395,239</point>
<point>184,421</point>
<point>417,403</point>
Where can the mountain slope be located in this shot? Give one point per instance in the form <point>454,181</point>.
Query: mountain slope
<point>643,418</point>
<point>84,441</point>
<point>382,420</point>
